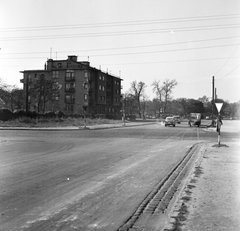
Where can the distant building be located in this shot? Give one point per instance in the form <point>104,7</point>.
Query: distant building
<point>81,86</point>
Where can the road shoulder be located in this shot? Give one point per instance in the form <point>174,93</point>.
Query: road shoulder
<point>210,198</point>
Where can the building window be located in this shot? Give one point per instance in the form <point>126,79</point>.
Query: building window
<point>85,74</point>
<point>70,86</point>
<point>85,96</point>
<point>100,77</point>
<point>69,108</point>
<point>103,77</point>
<point>29,78</point>
<point>103,88</point>
<point>59,65</point>
<point>102,98</point>
<point>70,75</point>
<point>55,75</point>
<point>100,87</point>
<point>69,98</point>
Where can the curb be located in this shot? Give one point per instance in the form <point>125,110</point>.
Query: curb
<point>91,127</point>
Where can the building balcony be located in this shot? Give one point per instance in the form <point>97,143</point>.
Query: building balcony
<point>69,100</point>
<point>71,90</point>
<point>72,79</point>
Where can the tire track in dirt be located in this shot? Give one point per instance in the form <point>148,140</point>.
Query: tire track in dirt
<point>153,207</point>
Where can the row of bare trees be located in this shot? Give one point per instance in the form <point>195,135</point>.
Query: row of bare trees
<point>136,102</point>
<point>135,99</point>
<point>40,92</point>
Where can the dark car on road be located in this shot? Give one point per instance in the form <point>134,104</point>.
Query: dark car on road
<point>170,121</point>
<point>177,119</point>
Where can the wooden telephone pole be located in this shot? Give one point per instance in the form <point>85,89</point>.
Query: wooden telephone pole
<point>213,100</point>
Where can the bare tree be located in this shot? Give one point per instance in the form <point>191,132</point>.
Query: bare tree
<point>130,104</point>
<point>43,90</point>
<point>137,90</point>
<point>11,96</point>
<point>144,105</point>
<point>158,89</point>
<point>167,88</point>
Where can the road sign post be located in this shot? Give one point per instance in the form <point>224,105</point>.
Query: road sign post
<point>219,121</point>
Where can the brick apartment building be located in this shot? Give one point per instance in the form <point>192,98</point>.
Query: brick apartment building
<point>80,86</point>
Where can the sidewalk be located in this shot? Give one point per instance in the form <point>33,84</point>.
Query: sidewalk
<point>228,126</point>
<point>210,198</point>
<point>91,127</point>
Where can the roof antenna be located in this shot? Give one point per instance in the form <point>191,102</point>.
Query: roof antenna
<point>50,52</point>
<point>88,58</point>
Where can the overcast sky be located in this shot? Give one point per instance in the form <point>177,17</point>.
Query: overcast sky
<point>142,40</point>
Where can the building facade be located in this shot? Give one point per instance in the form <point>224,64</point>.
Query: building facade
<point>81,87</point>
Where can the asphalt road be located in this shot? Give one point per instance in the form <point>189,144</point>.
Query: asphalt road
<point>86,179</point>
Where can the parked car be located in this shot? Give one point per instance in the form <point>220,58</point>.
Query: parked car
<point>177,119</point>
<point>170,121</point>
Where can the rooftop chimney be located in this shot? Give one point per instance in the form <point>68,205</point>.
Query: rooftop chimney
<point>72,57</point>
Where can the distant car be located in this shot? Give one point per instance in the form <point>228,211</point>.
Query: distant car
<point>177,119</point>
<point>170,121</point>
<point>194,119</point>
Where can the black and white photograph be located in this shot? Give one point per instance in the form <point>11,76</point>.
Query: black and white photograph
<point>119,115</point>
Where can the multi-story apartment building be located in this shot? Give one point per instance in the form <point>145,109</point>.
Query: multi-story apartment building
<point>80,87</point>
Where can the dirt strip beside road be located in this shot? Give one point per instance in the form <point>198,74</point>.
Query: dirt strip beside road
<point>210,198</point>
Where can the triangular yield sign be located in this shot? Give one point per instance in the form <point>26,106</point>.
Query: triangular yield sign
<point>219,106</point>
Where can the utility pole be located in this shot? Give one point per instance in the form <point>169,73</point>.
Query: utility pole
<point>27,95</point>
<point>213,100</point>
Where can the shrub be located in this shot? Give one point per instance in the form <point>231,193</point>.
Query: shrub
<point>32,114</point>
<point>59,114</point>
<point>49,114</point>
<point>19,113</point>
<point>6,114</point>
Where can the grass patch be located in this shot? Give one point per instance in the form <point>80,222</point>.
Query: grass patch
<point>42,122</point>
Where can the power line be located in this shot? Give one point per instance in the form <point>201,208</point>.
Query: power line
<point>128,47</point>
<point>140,52</point>
<point>228,59</point>
<point>123,23</point>
<point>230,72</point>
<point>169,61</point>
<point>161,51</point>
<point>118,33</point>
